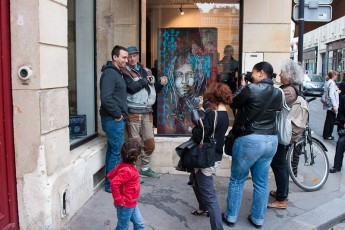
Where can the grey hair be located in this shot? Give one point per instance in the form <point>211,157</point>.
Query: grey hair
<point>293,70</point>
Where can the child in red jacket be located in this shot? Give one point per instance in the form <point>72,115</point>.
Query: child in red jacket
<point>125,186</point>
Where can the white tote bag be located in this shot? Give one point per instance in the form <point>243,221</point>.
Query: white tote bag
<point>284,128</point>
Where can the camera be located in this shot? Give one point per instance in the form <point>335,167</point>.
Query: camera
<point>151,79</point>
<point>248,76</point>
<point>196,101</point>
<point>24,73</point>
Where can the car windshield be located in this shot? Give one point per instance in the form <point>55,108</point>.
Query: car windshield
<point>315,78</point>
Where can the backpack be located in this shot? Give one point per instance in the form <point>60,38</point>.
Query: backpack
<point>299,114</point>
<point>284,127</point>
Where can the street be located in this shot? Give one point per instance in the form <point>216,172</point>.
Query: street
<point>316,121</point>
<point>167,203</point>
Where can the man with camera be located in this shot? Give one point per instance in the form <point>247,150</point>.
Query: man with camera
<point>141,95</point>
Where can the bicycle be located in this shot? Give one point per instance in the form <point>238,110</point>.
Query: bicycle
<point>309,172</point>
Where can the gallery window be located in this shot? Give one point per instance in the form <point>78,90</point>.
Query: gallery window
<point>81,70</point>
<point>193,45</point>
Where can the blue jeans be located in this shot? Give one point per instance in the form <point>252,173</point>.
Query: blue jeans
<point>253,152</point>
<point>115,134</point>
<point>125,215</point>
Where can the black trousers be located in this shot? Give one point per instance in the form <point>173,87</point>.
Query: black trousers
<point>329,124</point>
<point>207,198</point>
<point>280,171</point>
<point>339,153</point>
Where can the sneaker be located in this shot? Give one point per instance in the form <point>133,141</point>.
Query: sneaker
<point>141,180</point>
<point>334,170</point>
<point>251,221</point>
<point>149,173</point>
<point>277,204</point>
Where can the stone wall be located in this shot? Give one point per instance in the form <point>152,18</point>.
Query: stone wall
<point>267,29</point>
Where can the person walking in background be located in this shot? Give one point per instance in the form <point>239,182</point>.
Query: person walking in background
<point>125,187</point>
<point>113,109</point>
<point>141,95</point>
<point>255,126</point>
<point>342,85</point>
<point>217,95</point>
<point>332,108</point>
<point>340,149</point>
<point>291,75</point>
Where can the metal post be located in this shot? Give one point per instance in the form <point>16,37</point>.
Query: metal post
<point>300,30</point>
<point>300,34</point>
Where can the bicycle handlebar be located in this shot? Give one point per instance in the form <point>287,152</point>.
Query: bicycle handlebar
<point>310,99</point>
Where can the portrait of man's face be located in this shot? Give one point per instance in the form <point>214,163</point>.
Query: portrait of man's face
<point>184,80</point>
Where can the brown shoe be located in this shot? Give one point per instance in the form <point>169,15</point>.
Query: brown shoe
<point>277,204</point>
<point>273,194</point>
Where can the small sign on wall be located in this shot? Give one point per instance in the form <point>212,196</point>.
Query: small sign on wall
<point>250,59</point>
<point>77,126</point>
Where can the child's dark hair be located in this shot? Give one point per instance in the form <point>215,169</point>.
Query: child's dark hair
<point>130,151</point>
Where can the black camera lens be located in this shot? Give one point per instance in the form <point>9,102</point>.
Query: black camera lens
<point>248,76</point>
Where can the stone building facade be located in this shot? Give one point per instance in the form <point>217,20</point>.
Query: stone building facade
<point>55,176</point>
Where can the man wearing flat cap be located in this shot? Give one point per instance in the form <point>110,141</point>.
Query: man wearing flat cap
<point>140,98</point>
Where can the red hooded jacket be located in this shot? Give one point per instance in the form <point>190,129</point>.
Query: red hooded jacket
<point>125,186</point>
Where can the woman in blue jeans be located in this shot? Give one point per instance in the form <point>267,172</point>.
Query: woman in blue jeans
<point>255,126</point>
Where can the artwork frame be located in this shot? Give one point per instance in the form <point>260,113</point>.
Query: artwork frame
<point>188,58</point>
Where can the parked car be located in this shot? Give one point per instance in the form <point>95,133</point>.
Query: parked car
<point>313,85</point>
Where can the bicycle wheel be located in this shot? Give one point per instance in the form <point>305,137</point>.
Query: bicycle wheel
<point>308,174</point>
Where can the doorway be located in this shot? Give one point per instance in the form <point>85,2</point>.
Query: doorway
<point>8,197</point>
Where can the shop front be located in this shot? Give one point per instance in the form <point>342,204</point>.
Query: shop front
<point>59,145</point>
<point>336,57</point>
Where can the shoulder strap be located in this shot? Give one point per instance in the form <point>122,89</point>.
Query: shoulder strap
<point>214,127</point>
<point>284,100</point>
<point>298,92</point>
<point>215,123</point>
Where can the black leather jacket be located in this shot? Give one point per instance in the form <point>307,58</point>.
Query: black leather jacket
<point>256,104</point>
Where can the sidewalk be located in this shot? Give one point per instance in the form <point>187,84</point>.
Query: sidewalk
<point>167,203</point>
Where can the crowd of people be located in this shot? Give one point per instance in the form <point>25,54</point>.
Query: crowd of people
<point>128,92</point>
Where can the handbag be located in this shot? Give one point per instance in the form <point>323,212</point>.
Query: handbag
<point>326,101</point>
<point>229,143</point>
<point>284,127</point>
<point>181,150</point>
<point>198,155</point>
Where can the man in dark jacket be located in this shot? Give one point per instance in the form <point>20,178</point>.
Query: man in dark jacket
<point>113,108</point>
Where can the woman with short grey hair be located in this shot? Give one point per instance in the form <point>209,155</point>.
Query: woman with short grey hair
<point>293,71</point>
<point>291,75</point>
